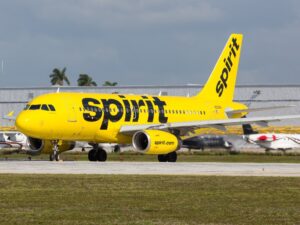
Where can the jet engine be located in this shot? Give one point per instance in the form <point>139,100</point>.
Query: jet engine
<point>38,146</point>
<point>155,142</point>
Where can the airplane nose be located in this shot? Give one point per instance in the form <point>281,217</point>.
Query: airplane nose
<point>22,123</point>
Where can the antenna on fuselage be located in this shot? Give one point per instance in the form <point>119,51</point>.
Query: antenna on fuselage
<point>57,91</point>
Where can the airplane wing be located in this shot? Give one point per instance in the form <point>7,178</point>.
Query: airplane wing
<point>186,127</point>
<point>230,113</point>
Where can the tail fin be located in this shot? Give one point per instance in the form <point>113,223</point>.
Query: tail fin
<point>247,129</point>
<point>221,83</point>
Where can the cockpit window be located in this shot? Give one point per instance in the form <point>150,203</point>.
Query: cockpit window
<point>51,107</point>
<point>26,107</point>
<point>34,107</point>
<point>45,107</point>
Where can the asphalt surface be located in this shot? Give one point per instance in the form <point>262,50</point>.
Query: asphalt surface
<point>156,168</point>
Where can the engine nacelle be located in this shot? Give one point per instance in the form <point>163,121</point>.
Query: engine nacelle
<point>155,142</point>
<point>38,146</point>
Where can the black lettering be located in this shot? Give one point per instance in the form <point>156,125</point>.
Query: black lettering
<point>136,109</point>
<point>150,111</point>
<point>160,104</point>
<point>127,108</point>
<point>108,116</point>
<point>224,77</point>
<point>86,102</point>
<point>222,83</point>
<point>235,44</point>
<point>219,88</point>
<point>229,60</point>
<point>227,64</point>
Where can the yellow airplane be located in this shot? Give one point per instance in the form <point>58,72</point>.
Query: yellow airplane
<point>152,124</point>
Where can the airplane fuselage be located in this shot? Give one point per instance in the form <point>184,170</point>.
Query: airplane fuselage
<point>275,141</point>
<point>99,117</point>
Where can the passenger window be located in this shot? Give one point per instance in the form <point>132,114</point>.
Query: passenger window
<point>34,107</point>
<point>45,107</point>
<point>51,107</point>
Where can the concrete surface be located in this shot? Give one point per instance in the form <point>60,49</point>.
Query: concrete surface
<point>142,168</point>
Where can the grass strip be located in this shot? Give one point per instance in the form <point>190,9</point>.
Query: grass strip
<point>138,200</point>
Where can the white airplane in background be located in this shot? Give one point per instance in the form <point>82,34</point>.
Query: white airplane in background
<point>271,141</point>
<point>13,139</point>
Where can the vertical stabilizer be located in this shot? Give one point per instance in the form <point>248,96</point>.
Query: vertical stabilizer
<point>221,83</point>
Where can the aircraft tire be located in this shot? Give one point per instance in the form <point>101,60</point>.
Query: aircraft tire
<point>172,157</point>
<point>51,157</point>
<point>162,158</point>
<point>117,149</point>
<point>92,155</point>
<point>57,158</point>
<point>101,155</point>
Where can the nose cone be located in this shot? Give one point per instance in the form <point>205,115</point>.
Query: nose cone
<point>23,123</point>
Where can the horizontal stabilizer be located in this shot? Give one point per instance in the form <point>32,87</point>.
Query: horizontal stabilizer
<point>230,113</point>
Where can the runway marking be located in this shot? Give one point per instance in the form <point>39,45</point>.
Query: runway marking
<point>151,168</point>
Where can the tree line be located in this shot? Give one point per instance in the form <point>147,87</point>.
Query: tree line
<point>59,77</point>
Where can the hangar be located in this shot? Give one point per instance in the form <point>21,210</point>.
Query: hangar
<point>14,99</point>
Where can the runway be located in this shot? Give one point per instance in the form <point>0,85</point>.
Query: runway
<point>150,168</point>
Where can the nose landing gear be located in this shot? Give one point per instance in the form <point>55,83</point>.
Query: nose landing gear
<point>55,154</point>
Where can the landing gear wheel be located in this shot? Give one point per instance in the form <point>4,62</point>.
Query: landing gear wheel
<point>92,155</point>
<point>54,157</point>
<point>162,158</point>
<point>172,157</point>
<point>55,154</point>
<point>51,157</point>
<point>101,155</point>
<point>117,149</point>
<point>97,154</point>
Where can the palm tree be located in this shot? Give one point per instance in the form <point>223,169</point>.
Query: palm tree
<point>108,83</point>
<point>58,77</point>
<point>85,80</point>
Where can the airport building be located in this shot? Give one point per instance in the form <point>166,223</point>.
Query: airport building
<point>14,99</point>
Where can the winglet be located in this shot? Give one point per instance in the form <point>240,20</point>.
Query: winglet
<point>10,116</point>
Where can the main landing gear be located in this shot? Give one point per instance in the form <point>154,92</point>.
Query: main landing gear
<point>97,154</point>
<point>55,154</point>
<point>170,157</point>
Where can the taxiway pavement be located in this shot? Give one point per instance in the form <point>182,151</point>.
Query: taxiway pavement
<point>155,168</point>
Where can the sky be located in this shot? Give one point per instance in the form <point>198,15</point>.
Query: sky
<point>146,42</point>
